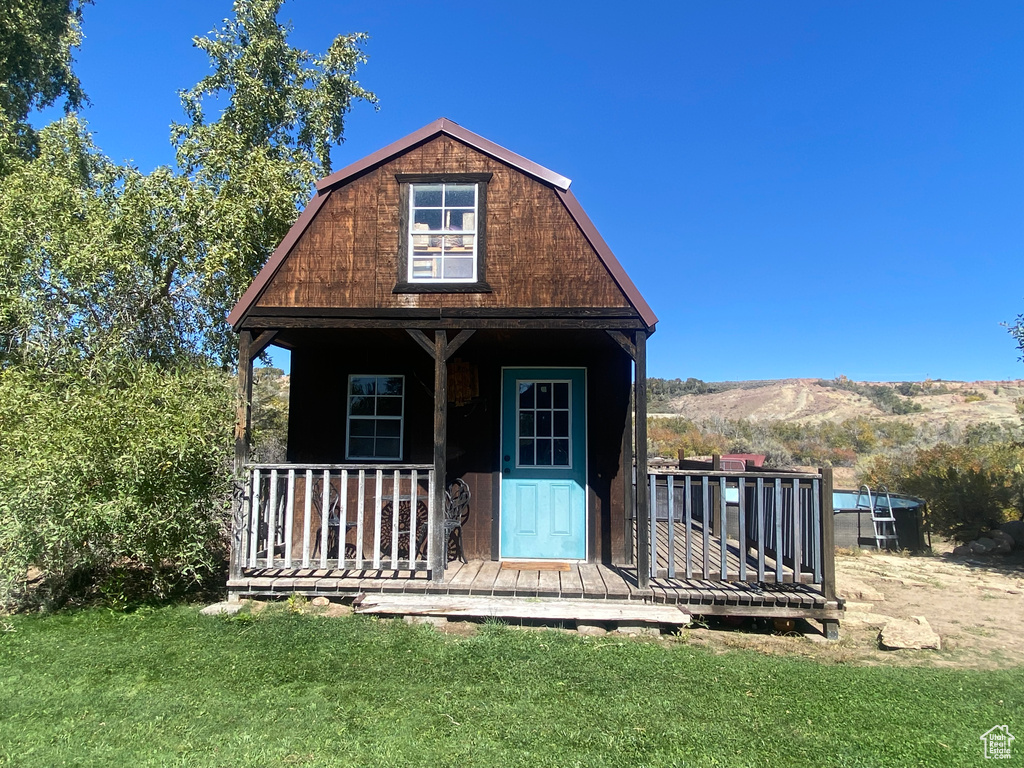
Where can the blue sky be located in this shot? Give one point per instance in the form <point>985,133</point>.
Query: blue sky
<point>799,189</point>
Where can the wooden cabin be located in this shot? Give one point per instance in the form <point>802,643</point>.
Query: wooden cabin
<point>454,315</point>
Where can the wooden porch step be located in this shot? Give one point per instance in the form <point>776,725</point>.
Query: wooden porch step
<point>473,607</point>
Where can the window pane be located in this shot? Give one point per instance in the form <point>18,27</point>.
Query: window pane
<point>426,195</point>
<point>389,427</point>
<point>561,426</point>
<point>420,242</point>
<point>543,453</point>
<point>423,269</point>
<point>389,406</point>
<point>361,406</point>
<point>544,395</point>
<point>388,448</point>
<point>363,385</point>
<point>459,219</point>
<point>526,424</point>
<point>526,452</point>
<point>389,385</point>
<point>458,269</point>
<point>461,195</point>
<point>463,243</point>
<point>360,446</point>
<point>430,218</point>
<point>561,394</point>
<point>543,423</point>
<point>561,453</point>
<point>525,395</point>
<point>361,428</point>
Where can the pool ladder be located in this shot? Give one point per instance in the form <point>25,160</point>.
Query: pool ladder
<point>882,518</point>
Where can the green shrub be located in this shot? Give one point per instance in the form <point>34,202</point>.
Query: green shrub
<point>969,489</point>
<point>112,481</point>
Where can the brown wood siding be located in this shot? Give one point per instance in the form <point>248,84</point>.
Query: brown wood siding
<point>536,254</point>
<point>323,360</point>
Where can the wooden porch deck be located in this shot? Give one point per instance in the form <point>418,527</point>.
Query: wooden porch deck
<point>583,581</point>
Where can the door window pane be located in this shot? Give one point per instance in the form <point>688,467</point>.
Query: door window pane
<point>543,414</point>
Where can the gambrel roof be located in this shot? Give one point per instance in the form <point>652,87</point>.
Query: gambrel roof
<point>351,176</point>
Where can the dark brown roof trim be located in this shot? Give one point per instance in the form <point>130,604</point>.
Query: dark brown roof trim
<point>453,129</point>
<point>606,255</point>
<point>252,295</point>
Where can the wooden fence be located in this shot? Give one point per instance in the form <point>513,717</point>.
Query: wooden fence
<point>335,516</point>
<point>748,526</point>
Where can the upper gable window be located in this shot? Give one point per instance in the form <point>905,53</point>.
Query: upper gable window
<point>442,242</point>
<point>442,237</point>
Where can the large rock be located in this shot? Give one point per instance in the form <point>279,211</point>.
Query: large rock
<point>914,633</point>
<point>1015,530</point>
<point>221,609</point>
<point>981,547</point>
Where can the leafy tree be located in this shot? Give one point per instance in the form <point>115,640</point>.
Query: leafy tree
<point>114,290</point>
<point>36,42</point>
<point>253,167</point>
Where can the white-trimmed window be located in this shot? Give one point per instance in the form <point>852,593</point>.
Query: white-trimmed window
<point>376,408</point>
<point>443,232</point>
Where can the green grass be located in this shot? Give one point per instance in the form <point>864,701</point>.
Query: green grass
<point>167,687</point>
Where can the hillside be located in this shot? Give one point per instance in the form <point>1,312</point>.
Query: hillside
<point>811,401</point>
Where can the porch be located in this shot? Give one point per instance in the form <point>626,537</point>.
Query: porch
<point>750,543</point>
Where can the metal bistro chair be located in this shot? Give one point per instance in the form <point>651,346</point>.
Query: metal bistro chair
<point>456,512</point>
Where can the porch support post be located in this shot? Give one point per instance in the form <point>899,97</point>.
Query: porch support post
<point>828,550</point>
<point>243,430</point>
<point>643,513</point>
<point>439,549</point>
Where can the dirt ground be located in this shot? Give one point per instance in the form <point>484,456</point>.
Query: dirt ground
<point>975,605</point>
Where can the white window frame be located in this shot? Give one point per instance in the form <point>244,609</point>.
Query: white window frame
<point>475,232</point>
<point>349,416</point>
<point>520,465</point>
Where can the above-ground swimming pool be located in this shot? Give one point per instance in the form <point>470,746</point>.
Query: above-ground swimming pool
<point>853,526</point>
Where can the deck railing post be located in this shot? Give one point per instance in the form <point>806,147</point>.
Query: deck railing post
<point>828,544</point>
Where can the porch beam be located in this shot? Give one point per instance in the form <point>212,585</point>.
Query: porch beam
<point>446,323</point>
<point>438,548</point>
<point>260,343</point>
<point>421,338</point>
<point>458,341</point>
<point>623,341</point>
<point>643,531</point>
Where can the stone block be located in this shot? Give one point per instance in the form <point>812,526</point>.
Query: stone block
<point>914,633</point>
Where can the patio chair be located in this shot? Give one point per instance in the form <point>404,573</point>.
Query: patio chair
<point>456,513</point>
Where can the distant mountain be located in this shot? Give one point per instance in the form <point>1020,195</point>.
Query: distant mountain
<point>815,400</point>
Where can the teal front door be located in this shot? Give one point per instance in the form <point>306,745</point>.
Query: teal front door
<point>544,463</point>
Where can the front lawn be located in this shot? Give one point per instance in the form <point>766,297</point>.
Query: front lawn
<point>168,687</point>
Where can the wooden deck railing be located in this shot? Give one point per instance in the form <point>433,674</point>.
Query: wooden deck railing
<point>750,526</point>
<point>335,516</point>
